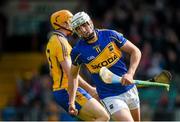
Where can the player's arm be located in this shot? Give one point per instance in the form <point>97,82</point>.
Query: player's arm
<point>135,56</point>
<point>64,58</point>
<point>72,77</point>
<point>73,83</point>
<point>73,80</point>
<point>91,90</point>
<point>66,65</point>
<point>80,81</point>
<point>132,50</point>
<point>72,88</point>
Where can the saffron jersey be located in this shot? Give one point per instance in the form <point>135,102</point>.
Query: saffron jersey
<point>106,51</point>
<point>57,48</point>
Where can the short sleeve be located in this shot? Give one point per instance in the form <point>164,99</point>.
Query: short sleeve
<point>118,38</point>
<point>75,57</point>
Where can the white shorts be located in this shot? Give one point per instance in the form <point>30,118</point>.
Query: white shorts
<point>129,100</point>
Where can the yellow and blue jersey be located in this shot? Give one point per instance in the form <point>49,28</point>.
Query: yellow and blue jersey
<point>105,52</point>
<point>57,49</point>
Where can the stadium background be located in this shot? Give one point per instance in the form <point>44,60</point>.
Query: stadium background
<point>25,90</point>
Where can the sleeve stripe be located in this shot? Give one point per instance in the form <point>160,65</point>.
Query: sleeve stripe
<point>115,39</point>
<point>77,57</point>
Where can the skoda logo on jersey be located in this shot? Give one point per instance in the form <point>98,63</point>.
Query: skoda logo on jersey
<point>90,58</point>
<point>105,62</point>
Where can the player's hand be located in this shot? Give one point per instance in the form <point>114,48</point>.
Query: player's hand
<point>127,79</point>
<point>73,110</point>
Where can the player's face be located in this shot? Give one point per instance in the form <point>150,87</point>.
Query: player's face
<point>85,30</point>
<point>68,26</point>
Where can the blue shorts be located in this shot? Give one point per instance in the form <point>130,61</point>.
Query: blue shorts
<point>62,98</point>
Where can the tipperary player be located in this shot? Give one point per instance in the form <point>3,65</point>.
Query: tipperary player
<point>98,48</point>
<point>58,55</point>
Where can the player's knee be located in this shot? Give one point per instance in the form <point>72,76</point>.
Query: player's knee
<point>104,117</point>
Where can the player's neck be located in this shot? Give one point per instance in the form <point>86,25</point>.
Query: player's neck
<point>64,32</point>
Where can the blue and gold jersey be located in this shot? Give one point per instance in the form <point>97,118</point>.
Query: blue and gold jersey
<point>106,51</point>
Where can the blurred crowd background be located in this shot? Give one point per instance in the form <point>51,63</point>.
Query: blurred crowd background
<point>25,84</point>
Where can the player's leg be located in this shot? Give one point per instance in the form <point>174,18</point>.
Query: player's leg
<point>93,110</point>
<point>136,114</point>
<point>117,108</point>
<point>126,115</point>
<point>90,109</point>
<point>122,115</point>
<point>61,97</point>
<point>134,104</point>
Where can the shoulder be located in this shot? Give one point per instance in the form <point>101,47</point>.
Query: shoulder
<point>53,40</point>
<point>75,54</point>
<point>57,36</point>
<point>79,44</point>
<point>57,42</point>
<point>75,49</point>
<point>109,32</point>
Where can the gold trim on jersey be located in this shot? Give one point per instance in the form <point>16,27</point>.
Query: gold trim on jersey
<point>116,39</point>
<point>77,57</point>
<point>109,56</point>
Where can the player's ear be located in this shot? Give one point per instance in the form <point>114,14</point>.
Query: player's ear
<point>91,24</point>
